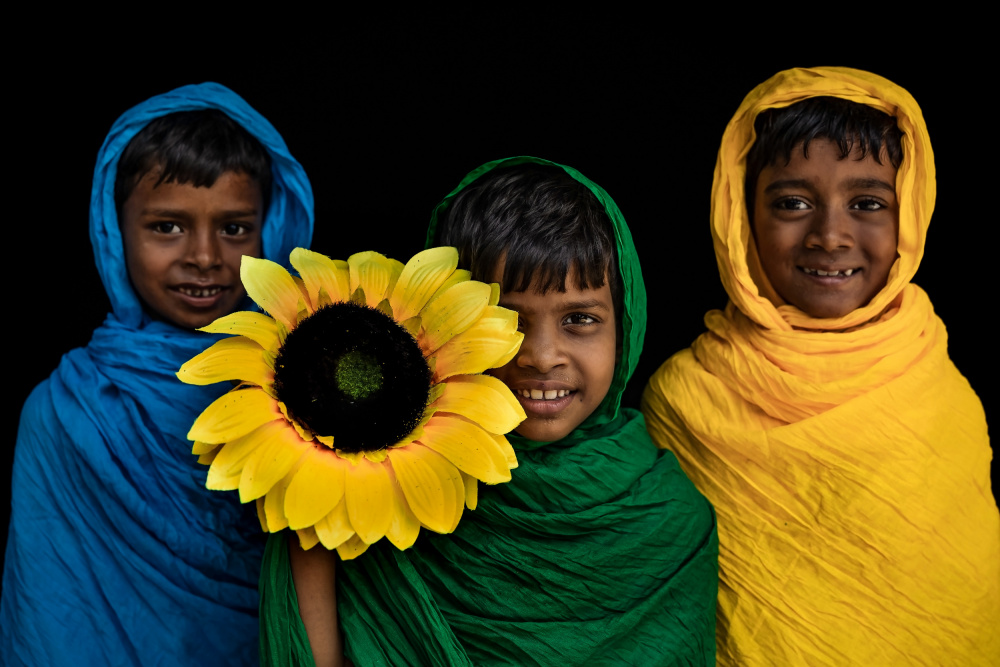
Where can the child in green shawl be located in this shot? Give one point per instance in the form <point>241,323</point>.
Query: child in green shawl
<point>599,551</point>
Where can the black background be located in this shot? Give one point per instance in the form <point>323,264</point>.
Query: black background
<point>386,122</point>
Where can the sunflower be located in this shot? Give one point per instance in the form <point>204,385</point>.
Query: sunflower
<point>360,410</point>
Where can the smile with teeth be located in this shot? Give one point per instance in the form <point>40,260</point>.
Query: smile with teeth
<point>199,291</point>
<point>821,272</point>
<point>539,395</point>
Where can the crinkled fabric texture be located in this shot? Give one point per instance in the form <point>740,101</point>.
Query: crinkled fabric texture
<point>117,555</point>
<point>598,552</point>
<point>848,460</point>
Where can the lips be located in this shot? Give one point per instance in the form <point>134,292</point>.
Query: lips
<point>200,292</point>
<point>200,296</point>
<point>543,399</point>
<point>824,273</point>
<point>546,395</point>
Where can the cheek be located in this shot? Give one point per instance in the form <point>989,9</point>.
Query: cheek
<point>145,266</point>
<point>501,373</point>
<point>883,250</point>
<point>233,256</point>
<point>602,363</point>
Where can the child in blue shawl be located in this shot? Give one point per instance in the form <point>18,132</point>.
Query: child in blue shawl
<point>116,554</point>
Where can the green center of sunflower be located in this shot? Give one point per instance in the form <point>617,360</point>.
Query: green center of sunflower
<point>352,372</point>
<point>358,375</point>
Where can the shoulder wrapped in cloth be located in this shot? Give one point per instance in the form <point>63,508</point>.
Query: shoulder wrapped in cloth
<point>598,552</point>
<point>848,460</point>
<point>117,554</point>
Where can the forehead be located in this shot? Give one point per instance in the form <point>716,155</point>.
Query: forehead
<point>822,161</point>
<point>231,191</point>
<point>536,299</point>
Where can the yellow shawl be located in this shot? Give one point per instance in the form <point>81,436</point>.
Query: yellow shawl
<point>847,458</point>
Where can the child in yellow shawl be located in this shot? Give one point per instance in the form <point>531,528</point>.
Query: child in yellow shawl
<point>847,458</point>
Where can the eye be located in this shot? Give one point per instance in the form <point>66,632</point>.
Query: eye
<point>580,319</point>
<point>164,227</point>
<point>791,204</point>
<point>235,229</point>
<point>869,204</point>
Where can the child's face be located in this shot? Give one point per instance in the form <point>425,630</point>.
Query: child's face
<point>184,245</point>
<point>567,360</point>
<point>826,228</point>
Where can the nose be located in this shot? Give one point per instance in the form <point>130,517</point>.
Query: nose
<point>203,249</point>
<point>831,230</point>
<point>541,349</point>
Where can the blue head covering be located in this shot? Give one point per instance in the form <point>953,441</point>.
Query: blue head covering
<point>116,552</point>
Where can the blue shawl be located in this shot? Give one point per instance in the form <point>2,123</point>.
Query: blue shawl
<point>117,555</point>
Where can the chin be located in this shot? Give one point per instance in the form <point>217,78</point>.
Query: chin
<point>542,432</point>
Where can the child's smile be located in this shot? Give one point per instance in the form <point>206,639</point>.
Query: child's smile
<point>184,245</point>
<point>826,228</point>
<point>567,360</point>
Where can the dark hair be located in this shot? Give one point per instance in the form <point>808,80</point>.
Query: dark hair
<point>847,124</point>
<point>193,147</point>
<point>537,222</point>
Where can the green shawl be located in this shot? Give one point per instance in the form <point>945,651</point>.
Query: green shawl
<point>599,551</point>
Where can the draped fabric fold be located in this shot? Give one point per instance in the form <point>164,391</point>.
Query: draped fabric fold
<point>599,551</point>
<point>848,460</point>
<point>117,555</point>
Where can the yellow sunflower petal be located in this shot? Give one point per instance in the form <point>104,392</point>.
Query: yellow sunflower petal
<point>199,447</point>
<point>494,294</point>
<point>316,488</point>
<point>233,415</point>
<point>471,491</point>
<point>307,538</point>
<point>306,305</point>
<point>483,399</point>
<point>489,343</point>
<point>384,307</point>
<point>232,457</point>
<point>368,492</point>
<point>452,313</point>
<point>274,501</point>
<point>422,276</point>
<point>374,273</point>
<point>352,548</point>
<point>279,449</point>
<point>432,486</point>
<point>457,276</point>
<point>468,447</point>
<point>404,527</point>
<point>320,272</point>
<point>207,458</point>
<point>261,516</point>
<point>258,327</point>
<point>507,450</point>
<point>234,358</point>
<point>459,507</point>
<point>335,528</point>
<point>272,288</point>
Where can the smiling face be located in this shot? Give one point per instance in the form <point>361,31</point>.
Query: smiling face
<point>826,228</point>
<point>184,245</point>
<point>567,360</point>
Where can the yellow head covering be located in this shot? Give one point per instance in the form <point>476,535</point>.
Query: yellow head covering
<point>915,189</point>
<point>847,459</point>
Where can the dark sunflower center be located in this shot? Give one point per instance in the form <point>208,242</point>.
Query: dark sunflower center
<point>352,372</point>
<point>358,375</point>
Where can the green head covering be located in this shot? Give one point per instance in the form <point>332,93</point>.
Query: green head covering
<point>633,289</point>
<point>599,551</point>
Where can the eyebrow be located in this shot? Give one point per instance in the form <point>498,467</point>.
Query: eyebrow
<point>586,304</point>
<point>176,213</point>
<point>870,184</point>
<point>853,184</point>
